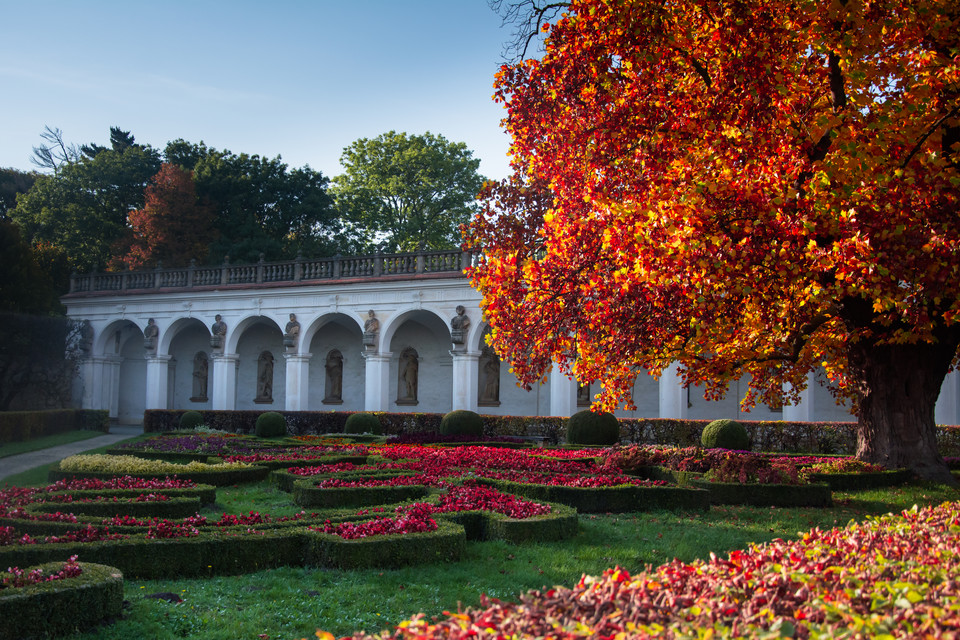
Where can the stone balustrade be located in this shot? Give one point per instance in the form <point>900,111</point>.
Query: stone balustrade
<point>442,263</point>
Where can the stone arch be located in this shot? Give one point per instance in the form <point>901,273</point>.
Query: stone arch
<point>252,337</point>
<point>335,331</point>
<point>428,333</point>
<point>106,341</point>
<point>182,340</point>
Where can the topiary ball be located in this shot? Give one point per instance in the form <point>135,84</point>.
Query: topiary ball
<point>363,422</point>
<point>462,423</point>
<point>190,420</point>
<point>725,434</point>
<point>271,425</point>
<point>592,428</point>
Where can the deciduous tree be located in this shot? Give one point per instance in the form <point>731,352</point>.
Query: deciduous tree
<point>408,191</point>
<point>757,187</point>
<point>172,228</point>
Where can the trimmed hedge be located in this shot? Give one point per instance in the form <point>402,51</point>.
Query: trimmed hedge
<point>60,607</point>
<point>215,478</point>
<point>462,422</point>
<point>173,507</point>
<point>622,499</point>
<point>862,481</point>
<point>767,495</point>
<point>445,544</point>
<point>306,494</point>
<point>19,426</point>
<point>362,422</point>
<point>165,456</point>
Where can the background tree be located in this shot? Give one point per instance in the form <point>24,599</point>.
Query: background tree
<point>13,182</point>
<point>407,191</point>
<point>54,153</point>
<point>261,206</point>
<point>82,208</point>
<point>172,228</point>
<point>757,188</point>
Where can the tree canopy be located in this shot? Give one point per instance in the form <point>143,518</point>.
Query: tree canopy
<point>757,188</point>
<point>404,192</point>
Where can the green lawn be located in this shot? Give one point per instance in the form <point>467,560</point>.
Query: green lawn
<point>294,602</point>
<point>16,448</point>
<point>38,475</point>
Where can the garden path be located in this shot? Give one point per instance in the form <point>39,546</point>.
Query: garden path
<point>13,465</point>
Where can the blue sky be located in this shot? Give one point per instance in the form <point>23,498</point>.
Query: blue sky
<point>296,78</point>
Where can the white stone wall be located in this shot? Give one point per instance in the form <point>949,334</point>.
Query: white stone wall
<point>132,376</point>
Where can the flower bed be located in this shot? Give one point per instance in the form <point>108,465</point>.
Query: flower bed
<point>893,576</point>
<point>80,596</point>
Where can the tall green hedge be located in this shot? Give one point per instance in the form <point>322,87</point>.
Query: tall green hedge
<point>20,426</point>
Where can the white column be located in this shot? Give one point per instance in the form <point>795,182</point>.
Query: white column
<point>804,410</point>
<point>377,387</point>
<point>297,381</point>
<point>111,385</point>
<point>465,381</point>
<point>948,404</point>
<point>563,393</point>
<point>225,381</point>
<point>157,379</point>
<point>673,395</point>
<point>91,373</point>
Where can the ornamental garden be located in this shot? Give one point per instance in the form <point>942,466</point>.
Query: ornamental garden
<point>212,510</point>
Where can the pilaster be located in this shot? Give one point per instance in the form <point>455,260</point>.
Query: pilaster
<point>157,380</point>
<point>377,381</point>
<point>465,382</point>
<point>673,395</point>
<point>297,381</point>
<point>225,381</point>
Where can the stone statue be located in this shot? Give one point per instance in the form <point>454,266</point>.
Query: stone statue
<point>370,329</point>
<point>334,388</point>
<point>201,367</point>
<point>150,333</point>
<point>490,384</point>
<point>583,395</point>
<point>264,378</point>
<point>459,325</point>
<point>409,372</point>
<point>86,338</point>
<point>218,332</point>
<point>291,333</point>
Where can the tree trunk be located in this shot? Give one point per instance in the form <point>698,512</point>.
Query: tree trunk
<point>899,386</point>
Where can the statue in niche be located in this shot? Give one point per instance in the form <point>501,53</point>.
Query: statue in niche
<point>409,372</point>
<point>583,395</point>
<point>218,332</point>
<point>150,333</point>
<point>370,329</point>
<point>459,325</point>
<point>86,338</point>
<point>201,368</point>
<point>291,332</point>
<point>334,386</point>
<point>490,378</point>
<point>264,378</point>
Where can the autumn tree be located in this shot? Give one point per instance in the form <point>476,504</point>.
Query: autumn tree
<point>172,228</point>
<point>738,188</point>
<point>405,191</point>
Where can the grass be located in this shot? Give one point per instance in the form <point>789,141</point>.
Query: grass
<point>293,602</point>
<point>45,442</point>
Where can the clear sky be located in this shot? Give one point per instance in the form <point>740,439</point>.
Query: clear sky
<point>297,78</point>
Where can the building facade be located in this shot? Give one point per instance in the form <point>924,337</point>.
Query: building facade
<point>400,332</point>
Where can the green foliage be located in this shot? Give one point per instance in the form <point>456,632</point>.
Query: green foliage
<point>60,607</point>
<point>362,422</point>
<point>462,422</point>
<point>592,428</point>
<point>271,424</point>
<point>82,208</point>
<point>725,434</point>
<point>261,206</point>
<point>13,182</point>
<point>412,190</point>
<point>190,420</point>
<point>767,495</point>
<point>32,279</point>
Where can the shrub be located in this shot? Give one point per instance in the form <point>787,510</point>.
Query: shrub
<point>271,425</point>
<point>462,422</point>
<point>725,434</point>
<point>190,420</point>
<point>588,427</point>
<point>362,422</point>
